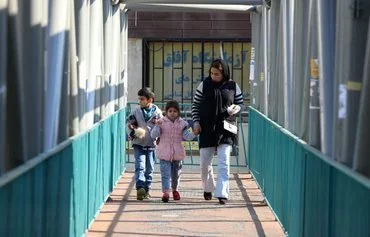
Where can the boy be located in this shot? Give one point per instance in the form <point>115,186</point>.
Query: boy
<point>139,124</point>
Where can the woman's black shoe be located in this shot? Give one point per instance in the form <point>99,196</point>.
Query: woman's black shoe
<point>207,196</point>
<point>222,201</point>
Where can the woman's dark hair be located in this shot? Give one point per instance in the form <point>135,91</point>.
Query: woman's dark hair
<point>172,104</point>
<point>146,92</point>
<point>221,65</point>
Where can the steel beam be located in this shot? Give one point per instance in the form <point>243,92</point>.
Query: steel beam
<point>229,2</point>
<point>186,7</point>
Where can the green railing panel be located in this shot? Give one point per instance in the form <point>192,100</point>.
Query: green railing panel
<point>356,197</point>
<point>268,162</point>
<point>79,181</point>
<point>60,192</point>
<point>310,194</point>
<point>317,181</point>
<point>95,166</point>
<point>57,189</point>
<point>38,200</point>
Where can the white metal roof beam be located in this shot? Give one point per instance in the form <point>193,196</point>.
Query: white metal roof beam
<point>229,2</point>
<point>186,7</point>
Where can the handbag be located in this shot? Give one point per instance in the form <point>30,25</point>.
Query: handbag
<point>230,127</point>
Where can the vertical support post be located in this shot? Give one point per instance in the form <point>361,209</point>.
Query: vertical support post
<point>55,48</point>
<point>3,86</point>
<point>266,26</point>
<point>326,37</point>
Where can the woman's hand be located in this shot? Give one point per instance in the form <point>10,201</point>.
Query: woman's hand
<point>233,109</point>
<point>197,129</point>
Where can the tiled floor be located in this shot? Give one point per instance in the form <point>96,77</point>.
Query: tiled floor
<point>245,214</point>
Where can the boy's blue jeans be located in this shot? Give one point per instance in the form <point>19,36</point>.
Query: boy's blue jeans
<point>144,166</point>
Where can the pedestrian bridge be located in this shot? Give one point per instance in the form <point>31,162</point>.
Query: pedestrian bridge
<point>301,167</point>
<point>86,184</point>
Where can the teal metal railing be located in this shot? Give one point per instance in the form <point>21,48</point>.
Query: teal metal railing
<point>60,192</point>
<point>239,154</point>
<point>310,194</point>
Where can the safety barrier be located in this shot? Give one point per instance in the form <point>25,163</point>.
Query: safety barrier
<point>311,194</point>
<point>60,192</point>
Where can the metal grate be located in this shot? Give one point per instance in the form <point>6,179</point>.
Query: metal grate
<point>174,69</point>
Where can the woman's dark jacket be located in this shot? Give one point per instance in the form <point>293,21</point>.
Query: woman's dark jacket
<point>217,96</point>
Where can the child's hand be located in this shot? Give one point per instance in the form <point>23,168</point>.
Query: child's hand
<point>158,122</point>
<point>155,119</point>
<point>130,126</point>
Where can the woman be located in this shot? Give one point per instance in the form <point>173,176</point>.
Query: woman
<point>218,98</point>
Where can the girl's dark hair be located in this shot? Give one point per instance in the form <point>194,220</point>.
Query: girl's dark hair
<point>147,92</point>
<point>172,104</point>
<point>221,65</point>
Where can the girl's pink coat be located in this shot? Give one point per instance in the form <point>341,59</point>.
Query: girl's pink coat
<point>170,146</point>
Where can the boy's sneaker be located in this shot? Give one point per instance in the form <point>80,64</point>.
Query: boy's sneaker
<point>141,193</point>
<point>147,195</point>
<point>165,197</point>
<point>176,195</point>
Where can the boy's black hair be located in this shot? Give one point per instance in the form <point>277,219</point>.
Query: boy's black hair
<point>172,104</point>
<point>221,65</point>
<point>147,92</point>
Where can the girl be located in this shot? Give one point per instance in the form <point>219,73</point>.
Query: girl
<point>171,130</point>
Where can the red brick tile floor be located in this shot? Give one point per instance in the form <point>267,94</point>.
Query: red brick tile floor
<point>245,214</point>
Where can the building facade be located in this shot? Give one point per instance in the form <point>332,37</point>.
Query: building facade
<point>171,51</point>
